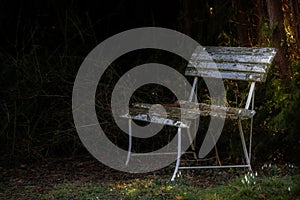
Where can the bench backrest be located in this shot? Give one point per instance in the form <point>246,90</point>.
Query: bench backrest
<point>236,63</point>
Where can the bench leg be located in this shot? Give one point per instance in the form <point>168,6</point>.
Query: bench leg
<point>178,155</point>
<point>251,126</point>
<point>250,138</point>
<point>192,143</point>
<point>244,144</point>
<point>130,142</point>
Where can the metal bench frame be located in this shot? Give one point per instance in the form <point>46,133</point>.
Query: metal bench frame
<point>234,63</point>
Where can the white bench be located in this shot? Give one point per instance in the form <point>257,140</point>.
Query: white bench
<point>233,63</point>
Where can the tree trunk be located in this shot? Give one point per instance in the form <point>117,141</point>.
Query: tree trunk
<point>242,23</point>
<point>278,35</point>
<point>258,20</point>
<point>187,18</point>
<point>295,19</point>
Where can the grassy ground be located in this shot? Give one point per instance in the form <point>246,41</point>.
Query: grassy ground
<point>155,188</point>
<point>86,179</point>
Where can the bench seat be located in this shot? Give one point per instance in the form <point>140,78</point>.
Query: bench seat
<point>172,113</point>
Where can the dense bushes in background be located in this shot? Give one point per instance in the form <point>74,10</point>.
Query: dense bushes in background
<point>43,50</point>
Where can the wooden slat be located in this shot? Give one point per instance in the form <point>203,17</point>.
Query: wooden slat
<point>232,58</point>
<point>241,50</point>
<point>145,117</point>
<point>172,117</point>
<point>245,67</point>
<point>171,111</point>
<point>235,54</point>
<point>181,116</point>
<point>219,111</point>
<point>233,75</point>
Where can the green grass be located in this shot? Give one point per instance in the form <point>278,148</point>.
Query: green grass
<point>155,187</point>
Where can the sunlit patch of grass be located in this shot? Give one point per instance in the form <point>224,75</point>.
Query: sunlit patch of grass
<point>271,181</point>
<point>272,187</point>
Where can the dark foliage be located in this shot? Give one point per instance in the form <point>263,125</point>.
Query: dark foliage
<point>44,43</point>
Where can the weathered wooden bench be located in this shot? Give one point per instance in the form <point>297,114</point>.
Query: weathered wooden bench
<point>233,63</point>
